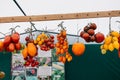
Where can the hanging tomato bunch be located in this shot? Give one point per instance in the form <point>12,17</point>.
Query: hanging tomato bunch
<point>111,42</point>
<point>78,48</point>
<point>62,47</point>
<point>88,34</point>
<point>45,41</point>
<point>30,52</point>
<point>11,42</point>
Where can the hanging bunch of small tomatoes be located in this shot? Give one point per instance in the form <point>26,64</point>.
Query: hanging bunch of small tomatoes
<point>45,41</point>
<point>11,42</point>
<point>62,47</point>
<point>30,52</point>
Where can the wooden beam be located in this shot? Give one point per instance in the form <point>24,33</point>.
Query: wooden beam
<point>83,15</point>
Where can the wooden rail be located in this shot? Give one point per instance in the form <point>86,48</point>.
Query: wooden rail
<point>83,15</point>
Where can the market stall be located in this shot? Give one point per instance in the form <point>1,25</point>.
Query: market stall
<point>43,54</point>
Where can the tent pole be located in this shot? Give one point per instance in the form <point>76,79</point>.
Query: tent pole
<point>24,13</point>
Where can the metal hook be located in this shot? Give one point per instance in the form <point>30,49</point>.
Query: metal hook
<point>118,26</point>
<point>44,29</point>
<point>13,29</point>
<point>29,30</point>
<point>61,25</point>
<point>33,25</point>
<point>78,30</point>
<point>17,26</point>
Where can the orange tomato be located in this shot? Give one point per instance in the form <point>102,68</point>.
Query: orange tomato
<point>17,46</point>
<point>1,45</point>
<point>65,43</point>
<point>11,47</point>
<point>61,39</point>
<point>31,48</point>
<point>57,53</point>
<point>62,51</point>
<point>58,50</point>
<point>57,44</point>
<point>25,52</point>
<point>78,48</point>
<point>58,36</point>
<point>63,32</point>
<point>64,59</point>
<point>60,58</point>
<point>67,55</point>
<point>61,42</point>
<point>69,58</point>
<point>61,46</point>
<point>64,47</point>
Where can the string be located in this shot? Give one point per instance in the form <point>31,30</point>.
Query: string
<point>98,23</point>
<point>109,25</point>
<point>118,25</point>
